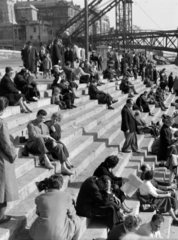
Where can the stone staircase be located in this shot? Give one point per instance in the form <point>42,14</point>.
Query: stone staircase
<point>91,132</point>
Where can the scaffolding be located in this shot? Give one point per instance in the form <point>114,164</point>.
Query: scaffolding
<point>124,16</point>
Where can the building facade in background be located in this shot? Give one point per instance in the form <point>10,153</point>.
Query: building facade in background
<point>40,20</point>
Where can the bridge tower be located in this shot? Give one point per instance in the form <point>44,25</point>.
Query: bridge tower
<point>124,18</point>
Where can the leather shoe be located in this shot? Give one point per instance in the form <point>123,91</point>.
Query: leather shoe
<point>110,107</point>
<point>5,219</point>
<point>126,151</point>
<point>137,152</point>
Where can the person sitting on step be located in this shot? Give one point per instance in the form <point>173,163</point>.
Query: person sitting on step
<point>142,103</point>
<point>161,200</point>
<point>106,168</point>
<point>130,224</point>
<point>9,90</point>
<point>26,84</point>
<point>143,127</point>
<point>152,228</point>
<point>41,143</point>
<point>162,185</point>
<point>127,87</point>
<point>102,97</point>
<point>81,75</point>
<point>92,203</point>
<point>55,132</point>
<point>56,215</point>
<point>159,97</point>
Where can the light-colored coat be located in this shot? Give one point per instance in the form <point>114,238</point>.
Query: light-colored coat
<point>57,219</point>
<point>8,182</point>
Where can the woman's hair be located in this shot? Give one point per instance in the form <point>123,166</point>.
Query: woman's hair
<point>111,161</point>
<point>149,175</point>
<point>55,181</point>
<point>143,167</point>
<point>3,103</point>
<point>137,113</point>
<point>131,222</point>
<point>56,115</point>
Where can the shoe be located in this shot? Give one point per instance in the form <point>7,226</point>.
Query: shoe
<point>114,101</point>
<point>76,97</point>
<point>25,152</point>
<point>35,98</point>
<point>166,107</point>
<point>70,107</point>
<point>135,93</point>
<point>98,84</point>
<point>73,106</point>
<point>5,219</point>
<point>175,222</point>
<point>126,151</point>
<point>130,96</point>
<point>163,109</point>
<point>110,107</point>
<point>137,152</point>
<point>151,114</point>
<point>24,111</point>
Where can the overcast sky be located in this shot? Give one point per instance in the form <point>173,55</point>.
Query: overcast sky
<point>149,14</point>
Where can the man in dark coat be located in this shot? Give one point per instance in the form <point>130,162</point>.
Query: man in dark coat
<point>170,82</point>
<point>57,53</point>
<point>91,202</point>
<point>165,139</point>
<point>129,127</point>
<point>30,58</point>
<point>102,97</point>
<point>69,56</point>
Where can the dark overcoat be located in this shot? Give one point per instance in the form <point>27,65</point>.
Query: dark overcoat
<point>30,59</point>
<point>128,120</point>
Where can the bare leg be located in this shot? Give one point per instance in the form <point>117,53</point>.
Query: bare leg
<point>65,170</point>
<point>26,106</point>
<point>47,162</point>
<point>23,108</point>
<point>171,211</point>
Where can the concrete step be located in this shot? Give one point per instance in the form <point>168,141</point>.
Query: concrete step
<point>23,118</point>
<point>46,93</point>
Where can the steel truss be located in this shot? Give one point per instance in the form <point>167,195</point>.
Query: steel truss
<point>158,40</point>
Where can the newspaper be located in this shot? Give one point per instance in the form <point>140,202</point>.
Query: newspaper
<point>130,187</point>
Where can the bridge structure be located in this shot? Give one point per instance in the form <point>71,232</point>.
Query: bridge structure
<point>148,40</point>
<point>124,36</point>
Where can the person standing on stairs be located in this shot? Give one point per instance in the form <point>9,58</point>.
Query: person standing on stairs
<point>129,127</point>
<point>8,155</point>
<point>41,143</point>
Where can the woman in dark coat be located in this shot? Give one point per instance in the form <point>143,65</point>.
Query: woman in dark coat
<point>166,139</point>
<point>142,103</point>
<point>25,83</point>
<point>105,168</point>
<point>102,97</point>
<point>56,53</point>
<point>9,90</point>
<point>8,182</point>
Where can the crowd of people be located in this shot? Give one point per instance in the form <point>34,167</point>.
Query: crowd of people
<point>100,195</point>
